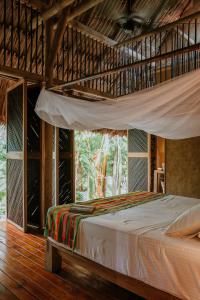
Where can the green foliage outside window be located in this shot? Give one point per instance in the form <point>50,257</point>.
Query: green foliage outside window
<point>101,165</point>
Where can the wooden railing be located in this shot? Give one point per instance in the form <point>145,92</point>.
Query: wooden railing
<point>81,60</point>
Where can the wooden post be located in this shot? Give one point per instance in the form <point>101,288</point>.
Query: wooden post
<point>53,260</point>
<point>47,144</point>
<point>73,175</point>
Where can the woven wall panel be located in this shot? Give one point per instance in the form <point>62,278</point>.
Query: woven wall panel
<point>15,191</point>
<point>33,165</point>
<point>33,192</point>
<point>138,174</point>
<point>15,122</point>
<point>33,126</point>
<point>64,140</point>
<point>65,195</point>
<point>137,141</point>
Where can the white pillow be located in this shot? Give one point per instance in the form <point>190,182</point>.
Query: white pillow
<point>187,224</point>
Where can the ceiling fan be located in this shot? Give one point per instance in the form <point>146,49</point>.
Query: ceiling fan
<point>129,20</point>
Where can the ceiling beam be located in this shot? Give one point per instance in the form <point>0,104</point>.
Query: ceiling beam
<point>101,37</point>
<point>51,12</point>
<point>15,73</point>
<point>93,33</point>
<point>82,8</point>
<point>159,29</point>
<point>40,4</point>
<point>85,91</point>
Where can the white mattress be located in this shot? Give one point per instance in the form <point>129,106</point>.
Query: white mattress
<point>133,242</point>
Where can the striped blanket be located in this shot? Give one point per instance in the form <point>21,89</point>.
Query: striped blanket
<point>63,223</point>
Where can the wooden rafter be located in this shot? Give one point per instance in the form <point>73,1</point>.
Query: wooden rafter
<point>159,29</point>
<point>55,44</point>
<point>67,16</point>
<point>15,73</point>
<point>51,12</point>
<point>39,3</point>
<point>85,92</point>
<point>93,33</point>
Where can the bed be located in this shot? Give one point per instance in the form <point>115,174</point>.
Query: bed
<point>129,247</point>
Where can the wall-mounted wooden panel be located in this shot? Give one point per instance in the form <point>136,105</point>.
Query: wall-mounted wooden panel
<point>65,166</point>
<point>17,155</point>
<point>34,158</point>
<point>33,192</point>
<point>23,156</point>
<point>15,204</point>
<point>183,167</point>
<point>138,160</point>
<point>138,174</point>
<point>15,119</point>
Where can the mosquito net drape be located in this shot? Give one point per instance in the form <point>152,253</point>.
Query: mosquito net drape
<point>170,110</point>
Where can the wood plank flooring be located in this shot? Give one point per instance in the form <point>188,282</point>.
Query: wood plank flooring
<point>22,273</point>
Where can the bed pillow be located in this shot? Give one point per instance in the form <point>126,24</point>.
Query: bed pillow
<point>187,224</point>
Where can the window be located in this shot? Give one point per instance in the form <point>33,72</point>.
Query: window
<point>101,165</point>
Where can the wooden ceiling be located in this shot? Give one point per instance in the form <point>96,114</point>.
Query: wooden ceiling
<point>87,44</point>
<point>115,21</point>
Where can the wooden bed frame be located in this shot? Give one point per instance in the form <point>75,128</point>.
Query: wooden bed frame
<point>54,254</point>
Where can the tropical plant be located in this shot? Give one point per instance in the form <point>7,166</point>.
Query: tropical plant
<point>101,165</point>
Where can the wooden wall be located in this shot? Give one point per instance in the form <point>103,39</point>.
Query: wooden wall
<point>183,167</point>
<point>160,152</point>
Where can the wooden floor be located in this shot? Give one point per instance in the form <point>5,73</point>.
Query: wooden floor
<point>22,274</point>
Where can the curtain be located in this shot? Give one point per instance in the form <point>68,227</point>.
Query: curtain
<point>170,109</point>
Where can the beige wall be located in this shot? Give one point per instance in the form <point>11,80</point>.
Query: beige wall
<point>160,153</point>
<point>183,167</point>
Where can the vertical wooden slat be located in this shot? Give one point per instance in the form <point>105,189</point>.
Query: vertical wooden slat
<point>63,57</point>
<point>36,44</point>
<point>160,37</point>
<point>31,37</point>
<point>4,32</point>
<point>26,39</point>
<point>12,19</point>
<point>68,69</point>
<point>188,56</point>
<point>81,57</point>
<point>42,48</point>
<point>25,154</point>
<point>18,33</point>
<point>77,54</point>
<point>195,41</point>
<point>72,53</point>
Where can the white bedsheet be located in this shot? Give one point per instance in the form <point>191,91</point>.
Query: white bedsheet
<point>133,242</point>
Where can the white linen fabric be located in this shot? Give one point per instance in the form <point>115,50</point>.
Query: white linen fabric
<point>187,224</point>
<point>133,242</point>
<point>170,109</point>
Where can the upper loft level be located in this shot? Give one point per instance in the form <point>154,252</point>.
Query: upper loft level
<point>101,47</point>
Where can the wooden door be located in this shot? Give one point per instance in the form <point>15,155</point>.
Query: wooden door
<point>138,160</point>
<point>63,166</point>
<point>33,159</point>
<point>17,155</point>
